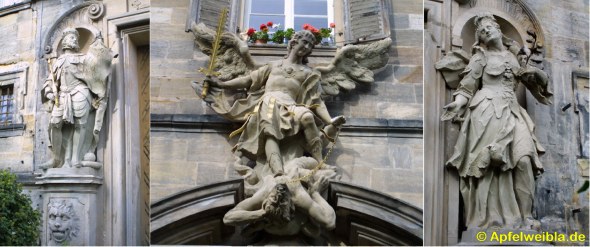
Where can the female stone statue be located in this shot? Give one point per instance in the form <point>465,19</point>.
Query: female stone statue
<point>497,153</point>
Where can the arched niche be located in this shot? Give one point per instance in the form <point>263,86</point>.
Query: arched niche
<point>508,30</point>
<point>513,16</point>
<point>85,39</point>
<point>86,18</point>
<point>515,20</point>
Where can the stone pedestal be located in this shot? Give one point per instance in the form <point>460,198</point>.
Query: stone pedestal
<point>70,208</point>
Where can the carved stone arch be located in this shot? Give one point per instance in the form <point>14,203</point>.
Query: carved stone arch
<point>515,19</point>
<point>363,217</point>
<point>85,17</point>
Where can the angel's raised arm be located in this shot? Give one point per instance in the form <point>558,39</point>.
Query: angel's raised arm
<point>233,57</point>
<point>236,83</point>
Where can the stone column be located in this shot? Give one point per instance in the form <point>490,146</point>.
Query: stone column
<point>70,208</point>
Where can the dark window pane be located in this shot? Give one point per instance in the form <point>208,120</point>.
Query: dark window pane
<point>311,7</point>
<point>256,20</point>
<point>268,6</point>
<point>316,22</point>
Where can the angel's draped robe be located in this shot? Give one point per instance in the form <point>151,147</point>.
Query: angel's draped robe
<point>266,114</point>
<point>495,135</point>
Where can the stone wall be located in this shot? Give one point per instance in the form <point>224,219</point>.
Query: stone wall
<point>558,206</point>
<point>381,147</point>
<point>18,51</point>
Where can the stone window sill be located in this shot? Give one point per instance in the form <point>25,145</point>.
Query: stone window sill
<point>12,130</point>
<point>281,50</point>
<point>15,7</point>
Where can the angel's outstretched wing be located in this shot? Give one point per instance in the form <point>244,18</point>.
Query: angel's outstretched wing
<point>353,64</point>
<point>233,57</point>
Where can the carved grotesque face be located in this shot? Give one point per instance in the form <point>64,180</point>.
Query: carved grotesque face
<point>70,42</point>
<point>61,221</point>
<point>488,30</point>
<point>278,204</point>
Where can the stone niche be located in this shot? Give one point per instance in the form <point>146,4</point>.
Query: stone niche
<point>70,203</point>
<point>561,128</point>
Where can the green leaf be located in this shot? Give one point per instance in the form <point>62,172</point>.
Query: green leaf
<point>584,187</point>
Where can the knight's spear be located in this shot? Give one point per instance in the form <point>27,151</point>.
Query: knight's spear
<point>53,82</point>
<point>210,71</point>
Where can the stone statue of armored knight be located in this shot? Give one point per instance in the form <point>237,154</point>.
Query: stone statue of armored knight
<point>76,92</point>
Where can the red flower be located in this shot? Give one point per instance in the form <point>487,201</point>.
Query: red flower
<point>269,24</point>
<point>306,26</point>
<point>314,30</point>
<point>332,25</point>
<point>264,29</point>
<point>262,26</point>
<point>251,31</point>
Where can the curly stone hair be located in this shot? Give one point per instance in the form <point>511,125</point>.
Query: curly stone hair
<point>278,204</point>
<point>303,34</point>
<point>71,31</point>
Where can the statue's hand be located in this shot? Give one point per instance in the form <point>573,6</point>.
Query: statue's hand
<point>212,82</point>
<point>531,73</point>
<point>320,185</point>
<point>199,87</point>
<point>50,96</point>
<point>338,121</point>
<point>451,111</point>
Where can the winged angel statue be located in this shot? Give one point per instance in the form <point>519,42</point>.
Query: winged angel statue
<point>284,117</point>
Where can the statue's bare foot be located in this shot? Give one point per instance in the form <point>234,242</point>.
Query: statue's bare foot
<point>76,163</point>
<point>49,164</point>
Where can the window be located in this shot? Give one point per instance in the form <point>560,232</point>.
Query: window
<point>6,3</point>
<point>289,13</point>
<point>366,20</point>
<point>363,20</point>
<point>6,105</point>
<point>13,6</point>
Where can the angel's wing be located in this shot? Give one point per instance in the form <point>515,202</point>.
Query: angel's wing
<point>233,58</point>
<point>353,64</point>
<point>452,66</point>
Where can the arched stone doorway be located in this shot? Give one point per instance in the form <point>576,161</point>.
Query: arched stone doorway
<point>363,217</point>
